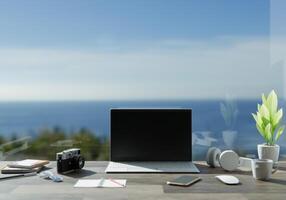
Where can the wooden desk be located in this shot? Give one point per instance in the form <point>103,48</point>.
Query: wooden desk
<point>144,186</point>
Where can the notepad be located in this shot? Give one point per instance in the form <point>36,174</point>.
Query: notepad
<point>100,183</point>
<point>28,163</point>
<point>12,170</point>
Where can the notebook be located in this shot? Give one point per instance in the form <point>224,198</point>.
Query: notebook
<point>28,164</point>
<point>101,183</point>
<point>12,170</point>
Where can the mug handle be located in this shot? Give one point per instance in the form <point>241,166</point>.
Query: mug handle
<point>275,167</point>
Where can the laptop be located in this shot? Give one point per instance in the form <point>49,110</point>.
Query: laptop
<point>151,140</point>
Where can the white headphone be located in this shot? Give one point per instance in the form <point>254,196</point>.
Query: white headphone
<point>228,160</point>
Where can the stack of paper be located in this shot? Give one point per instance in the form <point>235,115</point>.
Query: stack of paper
<point>24,166</point>
<point>13,170</point>
<point>28,163</point>
<point>101,183</point>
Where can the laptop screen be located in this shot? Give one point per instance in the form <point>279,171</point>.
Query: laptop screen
<point>151,135</point>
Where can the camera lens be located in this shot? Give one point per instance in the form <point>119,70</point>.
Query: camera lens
<point>80,162</point>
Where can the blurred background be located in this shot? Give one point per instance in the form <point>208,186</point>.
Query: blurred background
<point>64,64</point>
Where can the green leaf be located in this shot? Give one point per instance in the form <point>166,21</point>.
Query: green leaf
<point>278,117</point>
<point>272,102</point>
<point>259,119</point>
<point>258,107</point>
<point>264,122</point>
<point>254,116</point>
<point>264,112</point>
<point>279,133</point>
<point>268,133</point>
<point>260,130</point>
<point>264,100</point>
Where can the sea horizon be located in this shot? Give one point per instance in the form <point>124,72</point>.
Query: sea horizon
<point>28,118</point>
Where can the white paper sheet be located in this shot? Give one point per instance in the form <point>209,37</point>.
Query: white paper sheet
<point>101,183</point>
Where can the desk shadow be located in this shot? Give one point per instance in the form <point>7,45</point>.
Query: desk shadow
<point>80,174</point>
<point>277,181</point>
<point>281,168</point>
<point>204,169</point>
<point>45,168</point>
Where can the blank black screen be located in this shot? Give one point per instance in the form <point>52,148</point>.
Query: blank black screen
<point>151,134</point>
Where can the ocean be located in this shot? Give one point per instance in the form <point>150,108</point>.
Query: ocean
<point>27,118</point>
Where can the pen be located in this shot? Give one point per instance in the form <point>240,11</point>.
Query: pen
<point>116,182</point>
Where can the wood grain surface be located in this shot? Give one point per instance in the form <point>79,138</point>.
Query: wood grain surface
<point>144,186</point>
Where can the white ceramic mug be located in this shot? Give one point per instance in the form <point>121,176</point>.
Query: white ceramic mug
<point>262,169</point>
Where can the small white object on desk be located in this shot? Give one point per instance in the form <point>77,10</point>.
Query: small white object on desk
<point>229,180</point>
<point>51,175</point>
<point>101,183</point>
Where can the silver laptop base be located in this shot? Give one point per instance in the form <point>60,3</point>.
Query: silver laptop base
<point>151,167</point>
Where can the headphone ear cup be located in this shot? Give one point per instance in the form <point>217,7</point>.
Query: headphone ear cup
<point>213,157</point>
<point>229,160</point>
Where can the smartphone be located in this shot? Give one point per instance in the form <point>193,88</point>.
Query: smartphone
<point>184,180</point>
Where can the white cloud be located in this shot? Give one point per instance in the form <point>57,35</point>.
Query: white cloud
<point>172,69</point>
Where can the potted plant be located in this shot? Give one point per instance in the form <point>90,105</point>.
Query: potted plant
<point>268,119</point>
<point>229,113</point>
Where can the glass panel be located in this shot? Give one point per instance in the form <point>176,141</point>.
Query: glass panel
<point>64,64</point>
<point>278,55</point>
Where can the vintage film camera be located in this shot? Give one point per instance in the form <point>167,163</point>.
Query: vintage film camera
<point>69,160</point>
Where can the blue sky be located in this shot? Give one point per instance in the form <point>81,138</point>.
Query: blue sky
<point>79,24</point>
<point>110,49</point>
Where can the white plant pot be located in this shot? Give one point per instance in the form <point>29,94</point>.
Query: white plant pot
<point>268,152</point>
<point>229,136</point>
